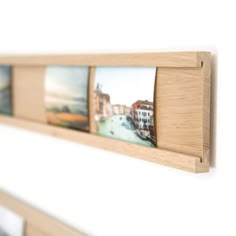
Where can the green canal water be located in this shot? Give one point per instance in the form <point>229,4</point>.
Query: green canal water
<point>118,127</point>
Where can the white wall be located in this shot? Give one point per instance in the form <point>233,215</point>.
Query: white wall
<point>108,194</point>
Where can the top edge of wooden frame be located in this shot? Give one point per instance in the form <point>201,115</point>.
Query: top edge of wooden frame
<point>193,59</point>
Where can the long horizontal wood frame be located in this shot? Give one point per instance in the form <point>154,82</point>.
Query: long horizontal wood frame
<point>37,223</point>
<point>181,104</point>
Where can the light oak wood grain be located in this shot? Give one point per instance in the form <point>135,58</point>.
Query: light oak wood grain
<point>31,230</point>
<point>91,100</point>
<point>161,59</point>
<point>179,110</point>
<point>28,92</point>
<point>206,75</point>
<point>37,222</point>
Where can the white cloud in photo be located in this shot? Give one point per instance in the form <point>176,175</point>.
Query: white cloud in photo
<point>125,85</point>
<point>67,80</point>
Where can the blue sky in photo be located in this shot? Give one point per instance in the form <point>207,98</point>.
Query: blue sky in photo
<point>5,76</point>
<point>67,80</point>
<point>125,85</point>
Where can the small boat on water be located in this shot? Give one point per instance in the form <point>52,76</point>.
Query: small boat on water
<point>112,132</point>
<point>140,135</point>
<point>152,140</point>
<point>146,138</point>
<point>102,119</point>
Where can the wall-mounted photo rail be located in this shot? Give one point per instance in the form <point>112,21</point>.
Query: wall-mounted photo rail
<point>36,222</point>
<point>152,106</point>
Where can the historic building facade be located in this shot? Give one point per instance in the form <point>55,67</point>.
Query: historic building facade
<point>102,103</point>
<point>142,115</point>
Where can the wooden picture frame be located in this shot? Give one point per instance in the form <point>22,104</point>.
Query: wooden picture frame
<point>36,222</point>
<point>181,104</point>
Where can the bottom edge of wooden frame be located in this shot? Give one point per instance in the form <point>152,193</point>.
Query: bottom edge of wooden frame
<point>156,155</point>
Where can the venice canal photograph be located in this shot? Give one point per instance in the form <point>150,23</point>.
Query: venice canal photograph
<point>66,96</point>
<point>5,90</point>
<point>123,98</point>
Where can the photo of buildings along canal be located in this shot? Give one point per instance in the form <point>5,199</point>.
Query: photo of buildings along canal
<point>129,119</point>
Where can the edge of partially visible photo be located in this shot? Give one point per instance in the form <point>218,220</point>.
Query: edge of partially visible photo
<point>11,224</point>
<point>5,90</point>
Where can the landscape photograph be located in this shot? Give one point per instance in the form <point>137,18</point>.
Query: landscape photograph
<point>123,98</point>
<point>66,96</point>
<point>5,90</point>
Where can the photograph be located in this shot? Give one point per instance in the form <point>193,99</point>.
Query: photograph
<point>66,96</point>
<point>5,90</point>
<point>123,98</point>
<point>10,223</point>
